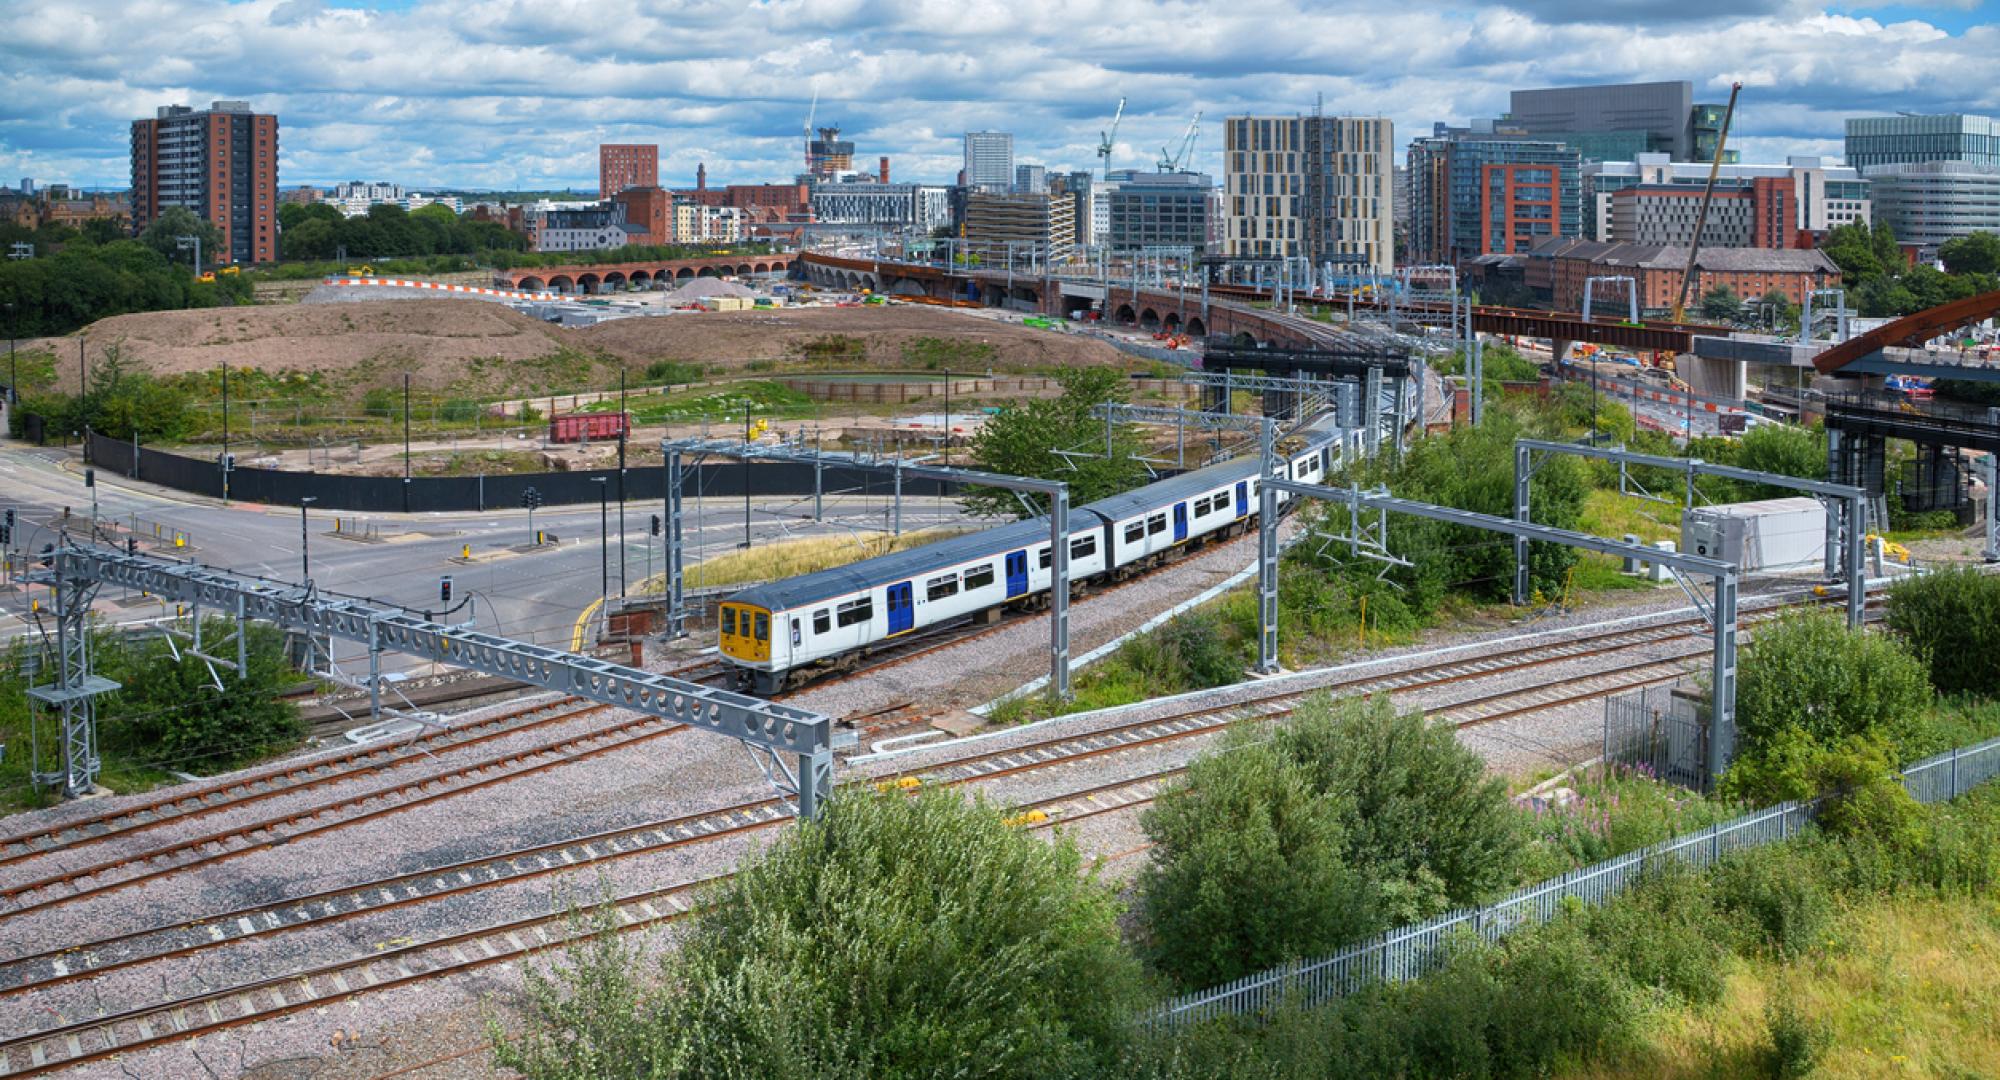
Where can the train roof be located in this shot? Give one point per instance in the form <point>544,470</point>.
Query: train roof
<point>813,588</point>
<point>903,565</point>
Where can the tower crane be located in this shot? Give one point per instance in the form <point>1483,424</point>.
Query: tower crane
<point>1106,138</point>
<point>1173,162</point>
<point>811,111</point>
<point>1707,196</point>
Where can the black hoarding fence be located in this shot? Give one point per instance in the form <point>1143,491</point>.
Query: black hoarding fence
<point>393,494</point>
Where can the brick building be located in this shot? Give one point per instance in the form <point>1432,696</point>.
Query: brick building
<point>650,211</point>
<point>625,165</point>
<point>221,163</point>
<point>1561,266</point>
<point>1760,213</point>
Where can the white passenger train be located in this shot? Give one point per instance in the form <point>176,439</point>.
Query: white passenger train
<point>784,633</point>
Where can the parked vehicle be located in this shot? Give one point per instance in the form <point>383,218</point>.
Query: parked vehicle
<point>578,427</point>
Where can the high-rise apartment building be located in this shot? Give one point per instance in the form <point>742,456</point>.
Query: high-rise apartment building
<point>989,161</point>
<point>1824,196</point>
<point>828,156</point>
<point>1473,195</point>
<point>1310,186</point>
<point>1031,179</point>
<point>1907,140</point>
<point>220,162</point>
<point>626,165</point>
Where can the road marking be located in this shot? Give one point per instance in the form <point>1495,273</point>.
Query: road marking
<point>583,621</point>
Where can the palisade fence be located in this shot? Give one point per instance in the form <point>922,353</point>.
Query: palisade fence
<point>1412,951</point>
<point>1662,729</point>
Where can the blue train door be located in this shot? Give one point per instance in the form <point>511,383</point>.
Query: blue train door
<point>1017,574</point>
<point>1242,498</point>
<point>902,615</point>
<point>1180,522</point>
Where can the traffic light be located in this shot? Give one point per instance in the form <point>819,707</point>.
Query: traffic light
<point>90,478</point>
<point>444,589</point>
<point>656,524</point>
<point>8,519</point>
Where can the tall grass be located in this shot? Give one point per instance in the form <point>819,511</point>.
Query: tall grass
<point>790,558</point>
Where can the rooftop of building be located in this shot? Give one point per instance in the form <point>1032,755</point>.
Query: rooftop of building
<point>1674,256</point>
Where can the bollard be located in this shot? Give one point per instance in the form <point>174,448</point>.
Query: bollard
<point>1659,570</point>
<point>1631,562</point>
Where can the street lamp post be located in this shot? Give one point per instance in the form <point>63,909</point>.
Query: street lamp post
<point>185,242</point>
<point>305,540</point>
<point>603,538</point>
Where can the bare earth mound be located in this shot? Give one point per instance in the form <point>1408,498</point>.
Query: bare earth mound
<point>729,338</point>
<point>480,349</point>
<point>367,343</point>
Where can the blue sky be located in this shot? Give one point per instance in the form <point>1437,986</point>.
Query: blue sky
<point>518,93</point>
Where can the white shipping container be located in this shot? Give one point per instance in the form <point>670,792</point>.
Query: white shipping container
<point>1759,537</point>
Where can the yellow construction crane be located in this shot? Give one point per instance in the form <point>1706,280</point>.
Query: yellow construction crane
<point>1707,196</point>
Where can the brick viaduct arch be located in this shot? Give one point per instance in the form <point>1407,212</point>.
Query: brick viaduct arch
<point>664,272</point>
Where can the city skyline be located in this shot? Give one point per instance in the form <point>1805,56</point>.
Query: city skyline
<point>476,94</point>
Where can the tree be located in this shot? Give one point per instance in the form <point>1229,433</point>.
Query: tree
<point>895,936</point>
<point>1974,253</point>
<point>1292,844</point>
<point>1427,827</point>
<point>1783,449</point>
<point>170,712</point>
<point>1721,304</point>
<point>1852,248</point>
<point>164,234</point>
<point>102,230</point>
<point>1809,674</point>
<point>1784,313</point>
<point>1023,440</point>
<point>1951,620</point>
<point>1247,869</point>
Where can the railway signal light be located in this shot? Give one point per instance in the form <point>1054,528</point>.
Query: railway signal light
<point>444,589</point>
<point>656,524</point>
<point>90,478</point>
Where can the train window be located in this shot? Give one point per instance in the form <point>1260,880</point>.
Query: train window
<point>938,588</point>
<point>1083,547</point>
<point>795,633</point>
<point>1201,506</point>
<point>979,577</point>
<point>763,627</point>
<point>822,621</point>
<point>855,611</point>
<point>729,621</point>
<point>1157,523</point>
<point>1044,558</point>
<point>1135,532</point>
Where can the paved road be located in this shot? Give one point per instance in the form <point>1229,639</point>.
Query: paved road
<point>536,596</point>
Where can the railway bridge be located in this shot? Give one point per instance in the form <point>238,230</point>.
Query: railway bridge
<point>610,277</point>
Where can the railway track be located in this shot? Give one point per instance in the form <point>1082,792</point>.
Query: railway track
<point>263,999</point>
<point>179,856</point>
<point>240,791</point>
<point>124,950</point>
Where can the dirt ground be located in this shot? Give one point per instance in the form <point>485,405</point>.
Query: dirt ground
<point>486,349</point>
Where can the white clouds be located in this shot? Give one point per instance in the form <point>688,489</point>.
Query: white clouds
<point>519,92</point>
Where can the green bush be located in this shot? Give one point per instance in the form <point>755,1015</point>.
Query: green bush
<point>1777,896</point>
<point>1797,1041</point>
<point>1810,673</point>
<point>1427,826</point>
<point>1664,935</point>
<point>171,714</point>
<point>895,936</point>
<point>459,411</point>
<point>1247,869</point>
<point>1951,619</point>
<point>382,402</point>
<point>673,372</point>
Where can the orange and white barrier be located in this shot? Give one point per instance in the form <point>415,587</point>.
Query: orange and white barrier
<point>436,286</point>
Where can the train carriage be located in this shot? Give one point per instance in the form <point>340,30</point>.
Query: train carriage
<point>782,633</point>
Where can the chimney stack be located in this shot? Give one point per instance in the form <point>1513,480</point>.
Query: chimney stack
<point>884,171</point>
<point>701,176</point>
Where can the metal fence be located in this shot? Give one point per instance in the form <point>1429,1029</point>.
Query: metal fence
<point>1663,729</point>
<point>1412,951</point>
